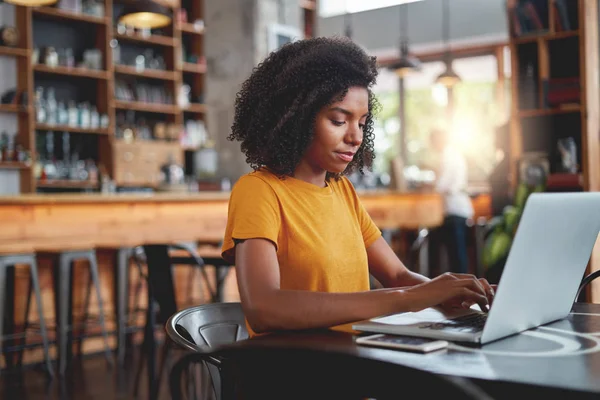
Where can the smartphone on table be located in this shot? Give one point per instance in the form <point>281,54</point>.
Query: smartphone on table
<point>409,343</point>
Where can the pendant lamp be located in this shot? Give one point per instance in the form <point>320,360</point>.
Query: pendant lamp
<point>407,63</point>
<point>30,3</point>
<point>447,78</point>
<point>145,14</point>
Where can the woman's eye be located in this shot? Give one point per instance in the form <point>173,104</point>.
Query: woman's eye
<point>361,126</point>
<point>337,123</point>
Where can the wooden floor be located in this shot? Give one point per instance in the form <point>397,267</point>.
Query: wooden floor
<point>90,378</point>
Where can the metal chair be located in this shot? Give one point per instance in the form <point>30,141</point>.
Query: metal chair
<point>199,329</point>
<point>161,303</point>
<point>584,282</point>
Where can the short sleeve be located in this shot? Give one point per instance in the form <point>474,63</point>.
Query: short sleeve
<point>253,213</point>
<point>370,231</point>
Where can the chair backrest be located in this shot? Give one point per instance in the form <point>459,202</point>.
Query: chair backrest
<point>584,282</point>
<point>202,327</point>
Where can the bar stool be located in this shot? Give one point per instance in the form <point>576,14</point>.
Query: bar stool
<point>124,251</point>
<point>10,256</point>
<point>63,263</point>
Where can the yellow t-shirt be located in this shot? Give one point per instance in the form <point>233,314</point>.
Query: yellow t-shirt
<point>320,234</point>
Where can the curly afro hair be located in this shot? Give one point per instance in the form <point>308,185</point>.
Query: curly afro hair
<point>276,108</point>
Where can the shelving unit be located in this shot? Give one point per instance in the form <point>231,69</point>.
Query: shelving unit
<point>13,165</point>
<point>146,73</point>
<point>554,63</point>
<point>38,26</point>
<point>71,129</point>
<point>72,72</point>
<point>555,91</point>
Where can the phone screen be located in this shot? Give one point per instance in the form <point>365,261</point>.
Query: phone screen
<point>423,345</point>
<point>415,341</point>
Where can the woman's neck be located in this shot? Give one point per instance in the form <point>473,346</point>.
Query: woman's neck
<point>310,174</point>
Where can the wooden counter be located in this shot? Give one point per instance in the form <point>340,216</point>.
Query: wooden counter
<point>47,221</point>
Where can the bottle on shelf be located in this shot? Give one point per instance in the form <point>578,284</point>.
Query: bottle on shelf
<point>40,105</point>
<point>65,171</point>
<point>51,107</point>
<point>62,114</point>
<point>49,170</point>
<point>72,114</point>
<point>94,118</point>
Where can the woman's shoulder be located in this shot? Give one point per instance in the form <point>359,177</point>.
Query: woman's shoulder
<point>344,185</point>
<point>259,180</point>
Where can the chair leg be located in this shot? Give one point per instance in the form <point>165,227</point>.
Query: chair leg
<point>96,281</point>
<point>162,364</point>
<point>86,308</point>
<point>62,294</point>
<point>26,319</point>
<point>38,299</point>
<point>2,300</point>
<point>122,301</point>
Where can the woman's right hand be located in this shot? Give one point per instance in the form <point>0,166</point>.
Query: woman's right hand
<point>450,291</point>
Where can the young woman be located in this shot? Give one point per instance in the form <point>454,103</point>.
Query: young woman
<point>301,241</point>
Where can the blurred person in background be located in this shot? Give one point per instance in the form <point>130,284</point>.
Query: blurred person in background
<point>451,182</point>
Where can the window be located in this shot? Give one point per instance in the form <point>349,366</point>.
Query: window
<point>330,8</point>
<point>479,106</point>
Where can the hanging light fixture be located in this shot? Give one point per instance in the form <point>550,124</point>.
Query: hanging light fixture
<point>145,14</point>
<point>406,64</point>
<point>447,78</point>
<point>30,3</point>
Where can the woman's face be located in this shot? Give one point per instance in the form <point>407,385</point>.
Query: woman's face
<point>338,132</point>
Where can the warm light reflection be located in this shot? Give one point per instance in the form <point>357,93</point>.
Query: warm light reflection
<point>465,135</point>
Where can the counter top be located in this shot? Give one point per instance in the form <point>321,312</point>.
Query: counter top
<point>66,198</point>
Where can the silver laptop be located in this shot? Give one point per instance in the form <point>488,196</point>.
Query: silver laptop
<point>546,263</point>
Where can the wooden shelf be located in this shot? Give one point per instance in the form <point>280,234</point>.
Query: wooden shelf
<point>195,108</point>
<point>63,15</point>
<point>546,36</point>
<point>548,111</point>
<point>13,51</point>
<point>157,40</point>
<point>13,108</point>
<point>67,128</point>
<point>147,107</point>
<point>77,72</point>
<point>193,68</point>
<point>13,165</point>
<point>146,73</point>
<point>60,184</point>
<point>308,5</point>
<point>190,28</point>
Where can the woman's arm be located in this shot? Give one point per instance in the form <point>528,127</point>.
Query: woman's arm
<point>387,268</point>
<point>269,308</point>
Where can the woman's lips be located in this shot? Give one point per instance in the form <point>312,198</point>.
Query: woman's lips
<point>346,157</point>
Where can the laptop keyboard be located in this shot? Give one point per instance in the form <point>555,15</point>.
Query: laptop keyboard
<point>465,323</point>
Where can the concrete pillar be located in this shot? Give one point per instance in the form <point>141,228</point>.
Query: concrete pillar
<point>236,41</point>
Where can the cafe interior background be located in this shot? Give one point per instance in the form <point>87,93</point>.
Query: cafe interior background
<point>94,109</point>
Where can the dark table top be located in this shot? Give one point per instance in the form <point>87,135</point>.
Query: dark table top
<point>561,355</point>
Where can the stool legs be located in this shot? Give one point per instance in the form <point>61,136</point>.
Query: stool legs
<point>64,331</point>
<point>122,296</point>
<point>38,299</point>
<point>63,294</point>
<point>10,261</point>
<point>2,303</point>
<point>96,280</point>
